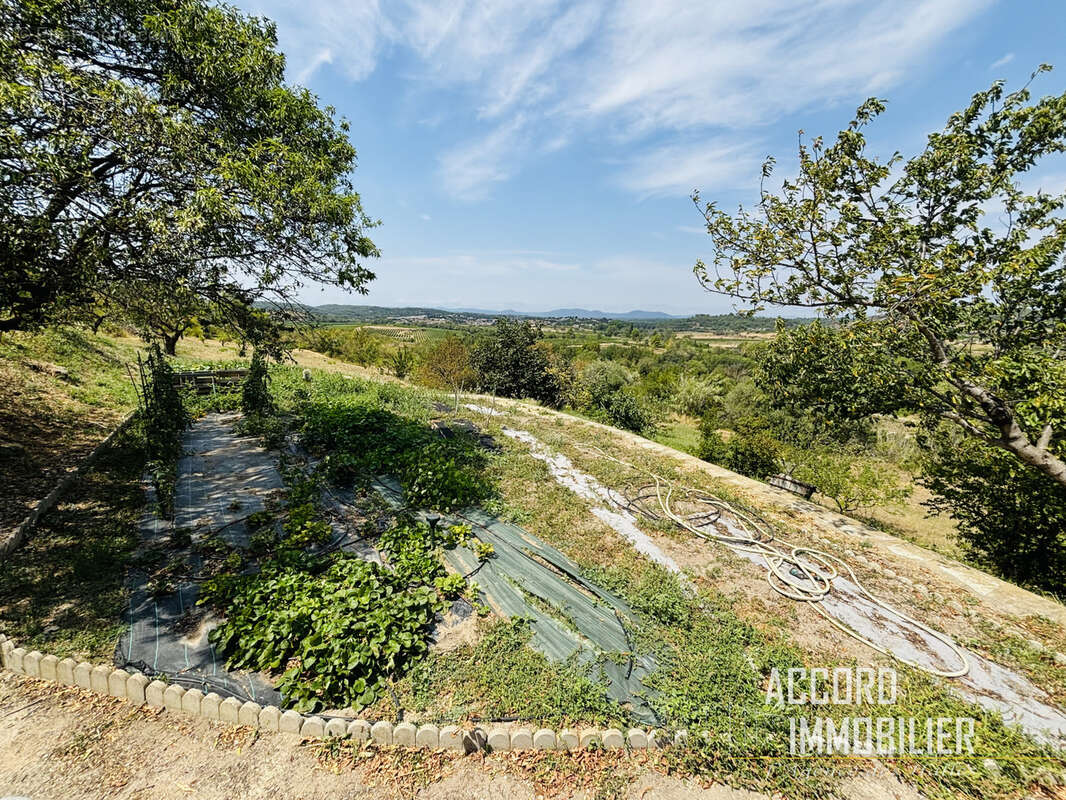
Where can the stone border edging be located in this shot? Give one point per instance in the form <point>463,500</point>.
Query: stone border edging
<point>136,688</point>
<point>30,522</point>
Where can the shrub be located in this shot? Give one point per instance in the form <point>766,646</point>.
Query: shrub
<point>164,418</point>
<point>1012,518</point>
<point>697,396</point>
<point>255,391</point>
<point>754,454</point>
<point>402,362</point>
<point>599,381</point>
<point>850,482</point>
<point>624,411</point>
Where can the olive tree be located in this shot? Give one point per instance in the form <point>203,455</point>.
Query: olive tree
<point>944,276</point>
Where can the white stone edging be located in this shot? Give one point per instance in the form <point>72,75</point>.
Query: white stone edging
<point>133,687</point>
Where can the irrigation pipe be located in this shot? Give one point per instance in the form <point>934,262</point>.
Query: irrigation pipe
<point>816,568</point>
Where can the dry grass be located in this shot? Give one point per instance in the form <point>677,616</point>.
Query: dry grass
<point>61,392</point>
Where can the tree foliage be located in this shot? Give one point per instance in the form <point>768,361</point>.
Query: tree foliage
<point>1011,518</point>
<point>447,366</point>
<point>155,142</point>
<point>852,484</point>
<point>941,311</point>
<point>511,361</point>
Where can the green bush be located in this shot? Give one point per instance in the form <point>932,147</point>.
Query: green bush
<point>849,480</point>
<point>755,455</point>
<point>164,419</point>
<point>696,396</point>
<point>255,391</point>
<point>1012,518</point>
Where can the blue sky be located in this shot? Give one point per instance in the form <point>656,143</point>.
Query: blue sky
<point>540,154</point>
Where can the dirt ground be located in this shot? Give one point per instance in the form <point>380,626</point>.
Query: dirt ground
<point>61,742</point>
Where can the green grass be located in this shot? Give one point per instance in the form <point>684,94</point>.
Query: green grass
<point>501,677</point>
<point>680,433</point>
<point>95,363</point>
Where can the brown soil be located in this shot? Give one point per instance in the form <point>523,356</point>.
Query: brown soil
<point>68,743</point>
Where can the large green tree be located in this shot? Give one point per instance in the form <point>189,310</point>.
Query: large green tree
<point>945,277</point>
<point>155,141</point>
<point>511,360</point>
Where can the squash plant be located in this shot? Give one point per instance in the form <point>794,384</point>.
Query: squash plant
<point>336,636</point>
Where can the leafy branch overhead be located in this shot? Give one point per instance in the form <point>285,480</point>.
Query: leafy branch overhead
<point>157,143</point>
<point>945,275</point>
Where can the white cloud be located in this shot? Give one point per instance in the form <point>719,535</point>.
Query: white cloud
<point>1002,62</point>
<point>354,32</point>
<point>539,74</point>
<point>323,56</point>
<point>675,64</point>
<point>469,171</point>
<point>710,165</point>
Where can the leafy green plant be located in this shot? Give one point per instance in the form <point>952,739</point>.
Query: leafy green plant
<point>412,551</point>
<point>361,441</point>
<point>849,481</point>
<point>336,636</point>
<point>303,527</point>
<point>450,586</point>
<point>402,362</point>
<point>164,419</point>
<point>1012,519</point>
<point>756,455</point>
<point>484,551</point>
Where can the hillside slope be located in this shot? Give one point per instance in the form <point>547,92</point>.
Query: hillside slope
<point>61,392</point>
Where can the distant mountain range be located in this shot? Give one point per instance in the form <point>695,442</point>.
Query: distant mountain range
<point>580,313</point>
<point>343,314</point>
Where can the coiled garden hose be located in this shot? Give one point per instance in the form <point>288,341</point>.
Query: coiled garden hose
<point>783,559</point>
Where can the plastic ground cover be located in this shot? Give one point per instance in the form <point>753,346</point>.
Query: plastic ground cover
<point>570,616</point>
<point>221,480</point>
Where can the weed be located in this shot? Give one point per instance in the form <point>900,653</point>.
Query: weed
<point>502,677</point>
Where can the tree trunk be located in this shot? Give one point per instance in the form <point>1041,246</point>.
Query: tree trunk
<point>170,343</point>
<point>1017,443</point>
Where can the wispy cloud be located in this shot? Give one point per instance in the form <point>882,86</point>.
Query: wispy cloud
<point>468,172</point>
<point>1002,62</point>
<point>323,56</point>
<point>714,164</point>
<point>633,76</point>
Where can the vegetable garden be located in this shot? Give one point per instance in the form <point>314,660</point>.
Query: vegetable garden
<point>337,632</point>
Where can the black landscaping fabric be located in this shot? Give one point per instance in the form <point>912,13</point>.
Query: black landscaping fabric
<point>221,480</point>
<point>224,478</point>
